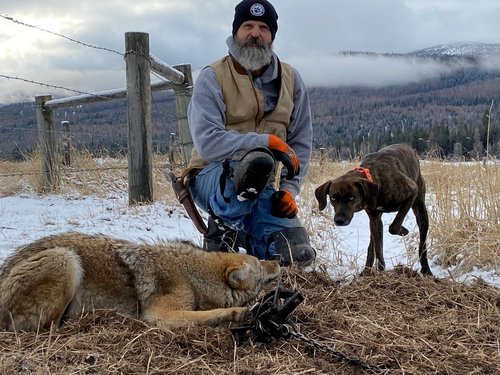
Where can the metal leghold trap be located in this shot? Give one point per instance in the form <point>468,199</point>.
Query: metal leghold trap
<point>271,320</point>
<point>270,317</point>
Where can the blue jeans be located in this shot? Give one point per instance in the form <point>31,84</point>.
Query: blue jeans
<point>251,216</point>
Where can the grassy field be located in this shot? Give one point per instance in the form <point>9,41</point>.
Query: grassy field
<point>463,198</point>
<point>394,322</point>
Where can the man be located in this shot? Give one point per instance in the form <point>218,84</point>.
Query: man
<point>248,112</point>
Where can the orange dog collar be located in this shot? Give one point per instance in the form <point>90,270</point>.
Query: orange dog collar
<point>366,173</point>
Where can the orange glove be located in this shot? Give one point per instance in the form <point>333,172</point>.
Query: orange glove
<point>283,204</point>
<point>285,154</point>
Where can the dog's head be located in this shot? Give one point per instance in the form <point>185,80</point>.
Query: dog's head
<point>348,195</point>
<point>247,276</point>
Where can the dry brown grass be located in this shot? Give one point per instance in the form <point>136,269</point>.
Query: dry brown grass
<point>87,176</point>
<point>464,199</point>
<point>465,213</point>
<point>396,321</point>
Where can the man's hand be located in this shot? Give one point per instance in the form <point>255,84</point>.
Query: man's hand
<point>285,154</point>
<point>283,204</point>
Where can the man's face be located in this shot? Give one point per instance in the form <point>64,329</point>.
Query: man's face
<point>251,31</point>
<point>253,45</point>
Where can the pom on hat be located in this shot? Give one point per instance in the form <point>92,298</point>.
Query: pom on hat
<point>257,10</point>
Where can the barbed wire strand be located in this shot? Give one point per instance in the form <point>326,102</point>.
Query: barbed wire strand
<point>123,55</point>
<point>70,170</point>
<point>60,35</point>
<point>50,85</point>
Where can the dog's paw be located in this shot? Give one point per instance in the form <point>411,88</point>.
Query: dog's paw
<point>367,272</point>
<point>401,231</point>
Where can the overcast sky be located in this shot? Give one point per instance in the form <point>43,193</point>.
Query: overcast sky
<point>310,33</point>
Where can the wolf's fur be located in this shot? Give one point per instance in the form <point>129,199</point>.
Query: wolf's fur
<point>167,283</point>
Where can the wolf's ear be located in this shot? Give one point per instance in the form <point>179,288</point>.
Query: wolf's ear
<point>238,275</point>
<point>320,193</point>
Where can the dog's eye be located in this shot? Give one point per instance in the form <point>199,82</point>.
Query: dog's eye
<point>332,199</point>
<point>351,198</point>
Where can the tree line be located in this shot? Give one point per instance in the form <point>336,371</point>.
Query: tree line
<point>448,115</point>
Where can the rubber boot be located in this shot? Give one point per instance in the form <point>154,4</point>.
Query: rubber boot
<point>219,237</point>
<point>224,239</point>
<point>251,174</point>
<point>292,246</point>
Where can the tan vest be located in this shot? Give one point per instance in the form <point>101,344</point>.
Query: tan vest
<point>245,103</point>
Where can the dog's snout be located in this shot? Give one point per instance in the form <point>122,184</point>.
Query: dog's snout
<point>341,221</point>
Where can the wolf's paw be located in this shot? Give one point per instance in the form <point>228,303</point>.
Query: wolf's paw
<point>242,314</point>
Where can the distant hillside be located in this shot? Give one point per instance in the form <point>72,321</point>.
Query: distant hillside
<point>431,114</point>
<point>460,49</point>
<point>448,113</point>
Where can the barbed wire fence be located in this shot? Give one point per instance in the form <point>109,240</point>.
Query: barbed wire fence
<point>163,141</point>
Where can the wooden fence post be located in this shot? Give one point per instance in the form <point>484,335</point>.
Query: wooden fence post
<point>183,94</point>
<point>140,139</point>
<point>66,144</point>
<point>47,143</point>
<point>321,155</point>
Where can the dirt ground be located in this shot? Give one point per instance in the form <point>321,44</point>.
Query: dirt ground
<point>393,322</point>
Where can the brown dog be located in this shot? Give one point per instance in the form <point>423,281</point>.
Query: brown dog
<point>386,181</point>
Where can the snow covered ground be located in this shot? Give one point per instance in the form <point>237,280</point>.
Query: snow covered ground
<point>24,218</point>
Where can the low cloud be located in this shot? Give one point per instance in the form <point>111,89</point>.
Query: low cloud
<point>372,71</point>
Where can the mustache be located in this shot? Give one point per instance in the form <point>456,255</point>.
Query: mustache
<point>253,41</point>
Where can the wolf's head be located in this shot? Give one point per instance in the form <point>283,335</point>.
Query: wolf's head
<point>247,276</point>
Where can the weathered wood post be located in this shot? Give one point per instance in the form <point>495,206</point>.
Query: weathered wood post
<point>140,139</point>
<point>66,144</point>
<point>171,154</point>
<point>183,94</point>
<point>47,143</point>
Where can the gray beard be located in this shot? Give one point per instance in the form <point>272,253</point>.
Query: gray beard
<point>252,58</point>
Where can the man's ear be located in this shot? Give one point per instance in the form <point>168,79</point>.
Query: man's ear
<point>238,275</point>
<point>369,191</point>
<point>321,192</point>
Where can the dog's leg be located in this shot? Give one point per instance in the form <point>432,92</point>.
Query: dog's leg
<point>422,218</point>
<point>375,248</point>
<point>397,224</point>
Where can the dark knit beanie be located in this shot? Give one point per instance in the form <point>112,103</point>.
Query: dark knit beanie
<point>257,10</point>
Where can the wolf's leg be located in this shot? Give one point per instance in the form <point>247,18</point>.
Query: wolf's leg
<point>37,290</point>
<point>176,318</point>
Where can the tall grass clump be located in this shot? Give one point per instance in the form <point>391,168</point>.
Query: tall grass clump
<point>464,209</point>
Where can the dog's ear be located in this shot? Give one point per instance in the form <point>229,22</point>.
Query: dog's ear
<point>321,192</point>
<point>369,191</point>
<point>238,275</point>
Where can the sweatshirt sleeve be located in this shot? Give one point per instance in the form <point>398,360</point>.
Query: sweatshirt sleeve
<point>299,134</point>
<point>206,118</point>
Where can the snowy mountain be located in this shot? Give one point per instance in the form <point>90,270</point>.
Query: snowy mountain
<point>468,51</point>
<point>459,49</point>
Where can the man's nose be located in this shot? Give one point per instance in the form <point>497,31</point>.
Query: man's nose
<point>255,32</point>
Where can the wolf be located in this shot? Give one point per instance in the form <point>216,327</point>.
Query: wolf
<point>164,283</point>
